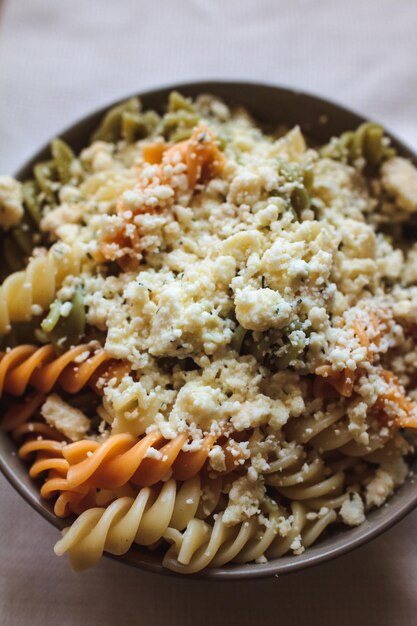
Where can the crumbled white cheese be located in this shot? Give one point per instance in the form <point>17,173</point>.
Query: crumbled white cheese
<point>11,202</point>
<point>388,476</point>
<point>297,546</point>
<point>399,177</point>
<point>260,309</point>
<point>71,422</point>
<point>217,459</point>
<point>244,500</point>
<point>352,510</point>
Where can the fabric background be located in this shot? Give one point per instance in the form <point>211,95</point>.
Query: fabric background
<point>59,59</point>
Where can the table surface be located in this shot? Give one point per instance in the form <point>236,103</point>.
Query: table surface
<point>59,60</point>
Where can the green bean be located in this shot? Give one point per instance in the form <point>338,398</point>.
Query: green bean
<point>64,332</point>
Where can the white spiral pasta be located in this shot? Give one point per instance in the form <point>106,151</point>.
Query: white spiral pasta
<point>307,479</point>
<point>331,432</point>
<point>142,520</point>
<point>32,290</point>
<point>202,545</point>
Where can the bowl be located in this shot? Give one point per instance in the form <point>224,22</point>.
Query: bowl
<point>319,119</point>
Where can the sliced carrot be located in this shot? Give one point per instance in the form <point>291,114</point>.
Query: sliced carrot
<point>153,152</point>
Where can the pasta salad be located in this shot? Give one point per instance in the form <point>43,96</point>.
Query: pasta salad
<point>208,333</point>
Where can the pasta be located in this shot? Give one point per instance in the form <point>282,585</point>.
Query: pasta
<point>143,520</point>
<point>122,459</point>
<point>367,143</point>
<point>19,242</point>
<point>39,443</point>
<point>33,289</point>
<point>202,545</point>
<point>40,368</point>
<point>208,333</point>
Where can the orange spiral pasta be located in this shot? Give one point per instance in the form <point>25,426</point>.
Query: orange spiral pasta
<point>40,368</point>
<point>22,421</point>
<point>42,444</point>
<point>28,366</point>
<point>122,459</point>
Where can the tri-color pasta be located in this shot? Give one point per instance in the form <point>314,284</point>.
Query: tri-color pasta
<point>208,333</point>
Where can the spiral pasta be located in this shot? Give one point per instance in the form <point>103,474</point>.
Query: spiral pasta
<point>366,142</point>
<point>126,121</point>
<point>32,290</point>
<point>142,520</point>
<point>122,459</point>
<point>40,445</point>
<point>17,244</point>
<point>203,545</point>
<point>40,368</point>
<point>28,366</point>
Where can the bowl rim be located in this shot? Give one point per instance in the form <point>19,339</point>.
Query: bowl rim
<point>399,504</point>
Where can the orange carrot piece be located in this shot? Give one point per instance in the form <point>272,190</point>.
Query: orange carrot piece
<point>153,152</point>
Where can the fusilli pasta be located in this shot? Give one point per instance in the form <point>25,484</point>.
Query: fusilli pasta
<point>33,289</point>
<point>142,520</point>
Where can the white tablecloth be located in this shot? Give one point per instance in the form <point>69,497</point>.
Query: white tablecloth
<point>60,59</point>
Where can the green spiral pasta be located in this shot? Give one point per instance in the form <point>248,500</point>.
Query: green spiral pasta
<point>367,142</point>
<point>17,244</point>
<point>126,121</point>
<point>180,119</point>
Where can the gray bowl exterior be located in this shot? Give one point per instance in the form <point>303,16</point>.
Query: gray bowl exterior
<point>320,120</point>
